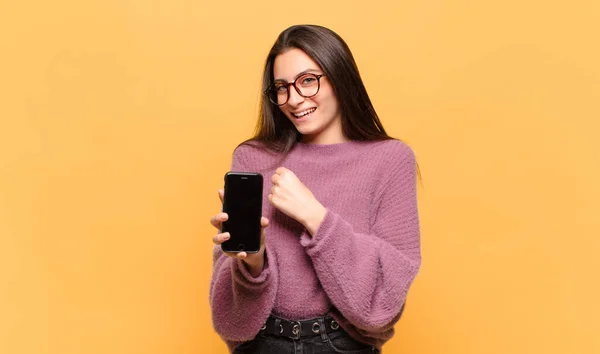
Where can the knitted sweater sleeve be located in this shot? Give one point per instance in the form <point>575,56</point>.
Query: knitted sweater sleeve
<point>240,303</point>
<point>367,275</point>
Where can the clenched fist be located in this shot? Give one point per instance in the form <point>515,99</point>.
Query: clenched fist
<point>293,198</point>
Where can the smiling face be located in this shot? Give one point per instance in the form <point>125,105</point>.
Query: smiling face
<point>317,118</point>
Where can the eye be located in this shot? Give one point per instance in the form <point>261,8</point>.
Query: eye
<point>307,80</point>
<point>280,88</point>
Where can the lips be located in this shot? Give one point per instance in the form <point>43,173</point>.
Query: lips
<point>304,112</point>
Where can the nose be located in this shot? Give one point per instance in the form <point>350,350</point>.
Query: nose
<point>295,98</point>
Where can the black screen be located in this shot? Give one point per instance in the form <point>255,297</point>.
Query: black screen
<point>243,204</point>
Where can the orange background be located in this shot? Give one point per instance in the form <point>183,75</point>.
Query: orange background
<point>118,119</point>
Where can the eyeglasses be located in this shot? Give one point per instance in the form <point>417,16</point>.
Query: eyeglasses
<point>306,85</point>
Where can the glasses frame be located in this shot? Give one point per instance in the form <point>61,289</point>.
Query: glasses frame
<point>288,84</point>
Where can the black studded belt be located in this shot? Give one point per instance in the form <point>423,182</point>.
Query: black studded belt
<point>298,329</point>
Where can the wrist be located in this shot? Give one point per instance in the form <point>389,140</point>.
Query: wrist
<point>255,266</point>
<point>315,219</point>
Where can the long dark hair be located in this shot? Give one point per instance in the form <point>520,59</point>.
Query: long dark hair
<point>331,53</point>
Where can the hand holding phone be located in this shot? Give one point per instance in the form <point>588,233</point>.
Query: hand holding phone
<point>251,193</point>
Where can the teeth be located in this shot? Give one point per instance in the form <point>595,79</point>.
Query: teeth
<point>302,114</point>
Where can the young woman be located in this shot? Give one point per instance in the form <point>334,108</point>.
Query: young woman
<point>343,245</point>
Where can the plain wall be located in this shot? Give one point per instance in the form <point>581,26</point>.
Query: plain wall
<point>118,120</point>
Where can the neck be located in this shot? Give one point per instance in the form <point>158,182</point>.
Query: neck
<point>319,140</point>
<point>331,135</point>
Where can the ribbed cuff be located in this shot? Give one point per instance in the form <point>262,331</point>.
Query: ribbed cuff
<point>315,243</point>
<point>242,275</point>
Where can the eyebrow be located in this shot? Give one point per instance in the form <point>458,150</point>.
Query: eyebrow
<point>299,74</point>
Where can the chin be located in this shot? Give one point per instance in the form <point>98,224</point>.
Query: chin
<point>306,130</point>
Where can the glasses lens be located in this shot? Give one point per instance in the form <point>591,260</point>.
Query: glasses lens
<point>308,85</point>
<point>278,94</point>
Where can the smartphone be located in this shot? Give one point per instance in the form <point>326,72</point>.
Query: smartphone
<point>242,201</point>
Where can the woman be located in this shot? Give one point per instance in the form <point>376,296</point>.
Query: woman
<point>343,244</point>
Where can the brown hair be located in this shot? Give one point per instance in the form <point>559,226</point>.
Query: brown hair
<point>331,53</point>
<point>360,122</point>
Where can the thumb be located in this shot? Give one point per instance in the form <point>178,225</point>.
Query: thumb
<point>264,222</point>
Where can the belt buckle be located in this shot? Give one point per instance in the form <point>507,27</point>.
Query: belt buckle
<point>296,329</point>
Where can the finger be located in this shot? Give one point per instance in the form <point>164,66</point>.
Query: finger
<point>221,194</point>
<point>241,255</point>
<point>264,222</point>
<point>276,190</point>
<point>275,179</point>
<point>218,219</point>
<point>281,170</point>
<point>220,238</point>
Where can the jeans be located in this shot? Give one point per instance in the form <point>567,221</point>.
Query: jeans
<point>335,342</point>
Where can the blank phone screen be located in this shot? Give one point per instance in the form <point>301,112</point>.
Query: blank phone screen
<point>243,204</point>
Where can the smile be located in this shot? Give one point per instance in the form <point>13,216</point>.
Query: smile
<point>304,113</point>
